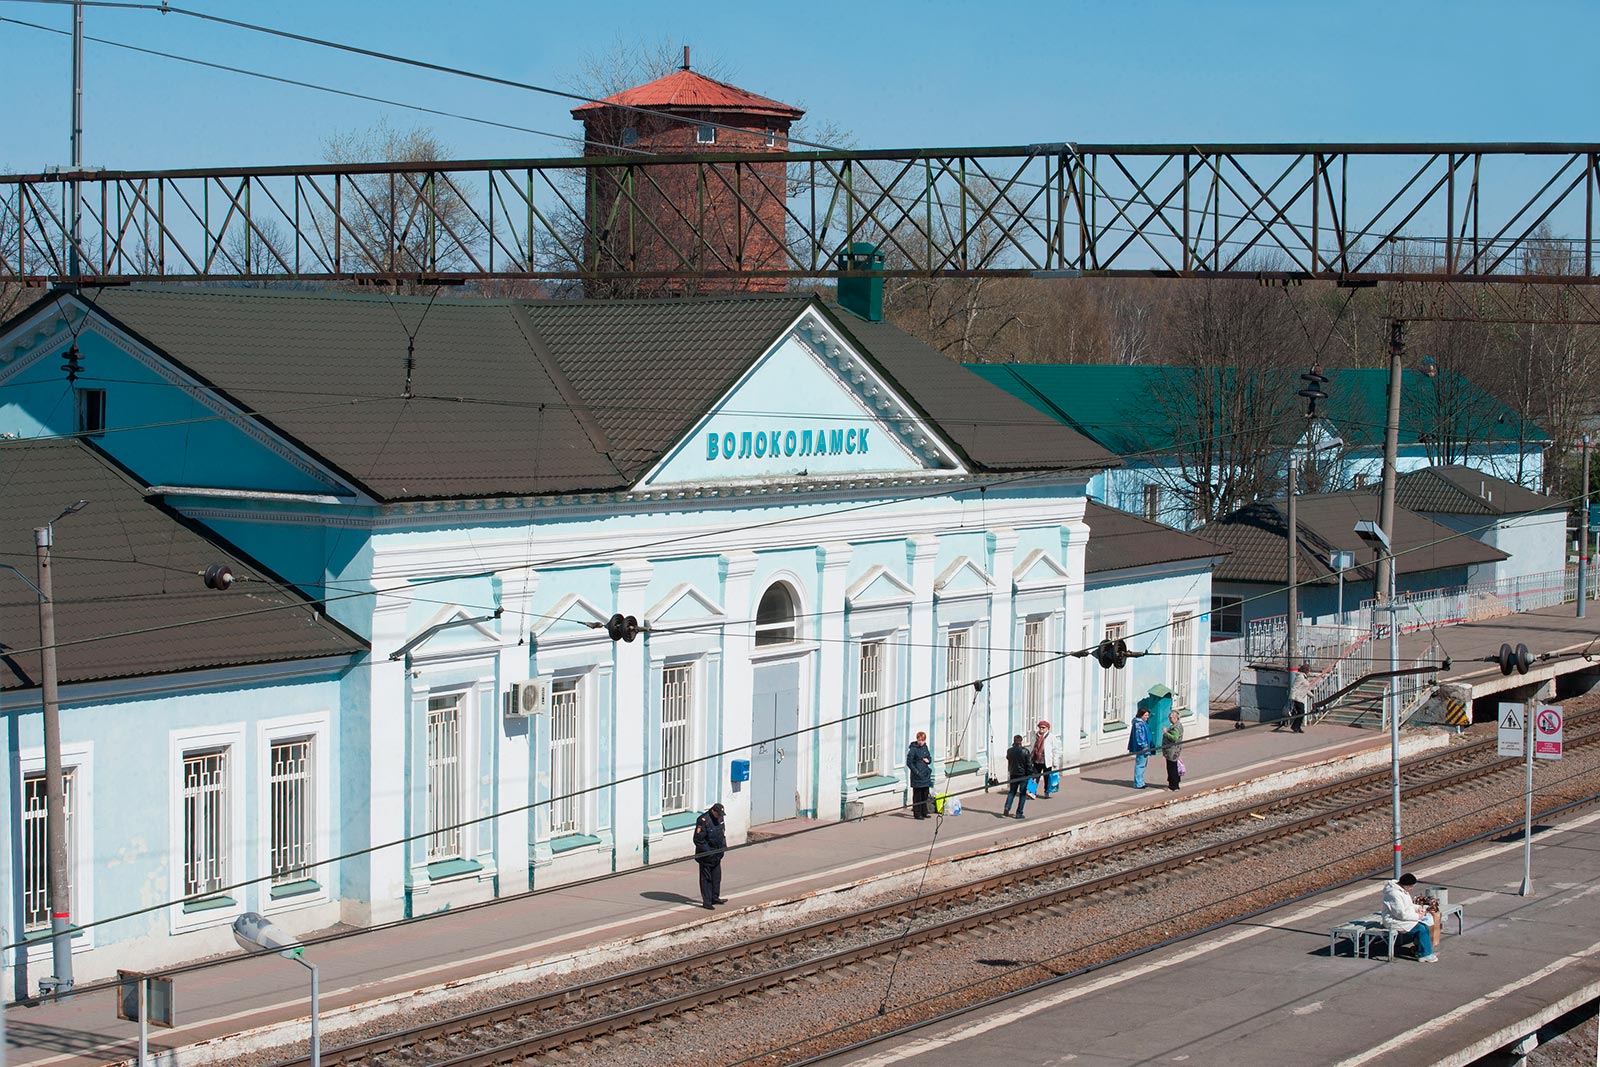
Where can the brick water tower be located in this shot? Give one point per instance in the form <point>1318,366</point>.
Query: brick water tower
<point>721,217</point>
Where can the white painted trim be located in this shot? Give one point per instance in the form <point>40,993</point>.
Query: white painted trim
<point>78,757</point>
<point>563,613</point>
<point>314,725</point>
<point>903,594</point>
<point>230,736</point>
<point>1055,576</point>
<point>246,494</point>
<point>712,611</point>
<point>961,565</point>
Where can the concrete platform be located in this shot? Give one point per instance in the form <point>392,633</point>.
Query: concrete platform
<point>1275,997</point>
<point>238,1004</point>
<point>1553,630</point>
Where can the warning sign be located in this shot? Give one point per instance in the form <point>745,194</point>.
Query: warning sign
<point>1512,727</point>
<point>1547,732</point>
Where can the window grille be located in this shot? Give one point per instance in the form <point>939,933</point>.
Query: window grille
<point>444,777</point>
<point>869,726</point>
<point>290,796</point>
<point>36,849</point>
<point>206,828</point>
<point>1182,651</point>
<point>957,702</point>
<point>1034,680</point>
<point>775,616</point>
<point>677,697</point>
<point>1152,502</point>
<point>564,777</point>
<point>1114,683</point>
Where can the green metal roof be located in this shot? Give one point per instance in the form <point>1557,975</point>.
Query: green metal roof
<point>1134,410</point>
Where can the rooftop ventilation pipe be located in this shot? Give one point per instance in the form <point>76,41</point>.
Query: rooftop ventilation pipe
<point>862,296</point>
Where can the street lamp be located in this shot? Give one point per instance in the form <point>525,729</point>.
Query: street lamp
<point>255,934</point>
<point>55,791</point>
<point>1373,534</point>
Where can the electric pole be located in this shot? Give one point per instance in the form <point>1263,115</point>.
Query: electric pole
<point>73,266</point>
<point>54,783</point>
<point>1391,452</point>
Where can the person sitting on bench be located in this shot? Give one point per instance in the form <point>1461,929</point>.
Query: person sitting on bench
<point>1401,913</point>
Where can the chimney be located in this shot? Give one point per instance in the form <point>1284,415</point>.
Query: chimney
<point>685,57</point>
<point>862,297</point>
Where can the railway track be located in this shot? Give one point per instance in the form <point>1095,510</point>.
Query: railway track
<point>593,1012</point>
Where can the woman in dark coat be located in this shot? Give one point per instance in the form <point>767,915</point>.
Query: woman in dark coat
<point>919,769</point>
<point>1172,749</point>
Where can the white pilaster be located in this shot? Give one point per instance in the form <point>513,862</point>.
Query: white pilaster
<point>833,669</point>
<point>630,719</point>
<point>1076,722</point>
<point>385,738</point>
<point>1003,547</point>
<point>513,769</point>
<point>922,553</point>
<point>738,681</point>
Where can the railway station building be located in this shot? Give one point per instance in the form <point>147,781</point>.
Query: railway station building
<point>819,534</point>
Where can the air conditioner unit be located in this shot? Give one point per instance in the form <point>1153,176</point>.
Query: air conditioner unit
<point>527,698</point>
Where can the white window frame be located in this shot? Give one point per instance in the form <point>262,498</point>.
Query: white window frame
<point>76,759</point>
<point>1036,676</point>
<point>871,757</point>
<point>1114,690</point>
<point>688,775</point>
<point>575,812</point>
<point>959,708</point>
<point>230,738</point>
<point>792,625</point>
<point>1183,669</point>
<point>316,728</point>
<point>1150,502</point>
<point>705,133</point>
<point>441,851</point>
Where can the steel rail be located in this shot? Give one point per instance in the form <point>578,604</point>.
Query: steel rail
<point>514,1051</point>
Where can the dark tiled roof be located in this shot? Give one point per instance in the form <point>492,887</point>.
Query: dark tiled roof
<point>123,565</point>
<point>512,397</point>
<point>1326,523</point>
<point>1458,490</point>
<point>993,429</point>
<point>1118,541</point>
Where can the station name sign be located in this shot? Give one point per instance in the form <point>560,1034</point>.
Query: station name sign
<point>759,443</point>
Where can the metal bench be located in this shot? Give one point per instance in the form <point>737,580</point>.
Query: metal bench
<point>1362,932</point>
<point>1355,932</point>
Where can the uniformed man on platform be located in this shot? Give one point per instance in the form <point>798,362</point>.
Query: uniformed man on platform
<point>710,842</point>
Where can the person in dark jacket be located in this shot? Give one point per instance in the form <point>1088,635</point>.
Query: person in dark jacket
<point>1172,749</point>
<point>1019,768</point>
<point>919,770</point>
<point>710,842</point>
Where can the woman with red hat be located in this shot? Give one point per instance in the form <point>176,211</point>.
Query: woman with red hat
<point>1044,755</point>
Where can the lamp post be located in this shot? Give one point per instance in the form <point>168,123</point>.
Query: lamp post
<point>255,933</point>
<point>1373,534</point>
<point>60,980</point>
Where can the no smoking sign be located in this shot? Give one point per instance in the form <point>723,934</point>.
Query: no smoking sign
<point>1547,732</point>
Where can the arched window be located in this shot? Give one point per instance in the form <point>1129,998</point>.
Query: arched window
<point>775,623</point>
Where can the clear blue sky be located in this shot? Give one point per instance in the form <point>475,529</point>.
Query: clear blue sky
<point>894,74</point>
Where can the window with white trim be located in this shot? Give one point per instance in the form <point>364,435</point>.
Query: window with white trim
<point>705,134</point>
<point>775,622</point>
<point>1152,502</point>
<point>870,701</point>
<point>566,751</point>
<point>1035,680</point>
<point>1114,682</point>
<point>957,702</point>
<point>444,777</point>
<point>207,822</point>
<point>36,849</point>
<point>677,704</point>
<point>1180,647</point>
<point>291,796</point>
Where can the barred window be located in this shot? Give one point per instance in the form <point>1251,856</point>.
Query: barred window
<point>869,725</point>
<point>36,849</point>
<point>444,777</point>
<point>1114,683</point>
<point>206,825</point>
<point>1181,651</point>
<point>565,776</point>
<point>1035,681</point>
<point>290,795</point>
<point>957,701</point>
<point>677,700</point>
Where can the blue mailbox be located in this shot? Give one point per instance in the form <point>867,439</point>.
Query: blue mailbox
<point>741,771</point>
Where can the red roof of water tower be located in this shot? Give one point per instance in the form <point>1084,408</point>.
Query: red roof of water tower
<point>684,89</point>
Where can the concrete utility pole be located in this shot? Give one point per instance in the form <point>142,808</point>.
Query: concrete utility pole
<point>1291,651</point>
<point>1583,535</point>
<point>1391,451</point>
<point>55,790</point>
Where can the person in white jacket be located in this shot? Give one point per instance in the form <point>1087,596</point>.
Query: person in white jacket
<point>1401,913</point>
<point>1046,757</point>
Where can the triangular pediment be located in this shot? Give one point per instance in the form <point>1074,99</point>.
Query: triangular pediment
<point>684,603</point>
<point>809,407</point>
<point>452,630</point>
<point>963,578</point>
<point>879,586</point>
<point>1039,570</point>
<point>571,618</point>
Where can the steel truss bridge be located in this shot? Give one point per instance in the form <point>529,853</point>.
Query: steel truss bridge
<point>1428,214</point>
